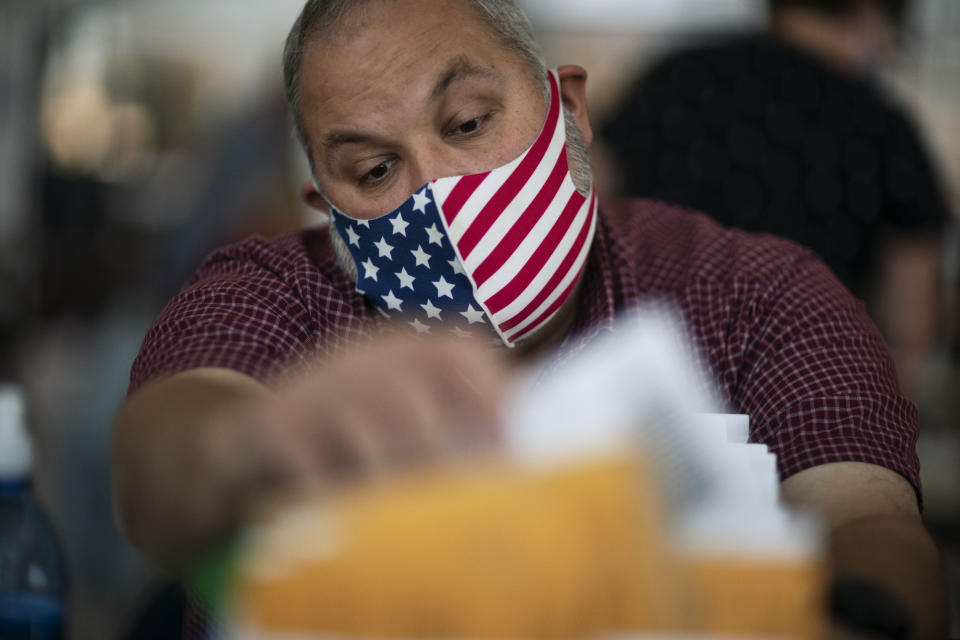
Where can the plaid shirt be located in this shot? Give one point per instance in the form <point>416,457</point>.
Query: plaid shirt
<point>785,341</point>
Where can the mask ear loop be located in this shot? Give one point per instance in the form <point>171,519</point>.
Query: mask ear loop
<point>331,209</point>
<point>316,187</point>
<point>343,252</point>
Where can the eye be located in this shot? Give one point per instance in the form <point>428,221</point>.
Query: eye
<point>377,173</point>
<point>471,126</point>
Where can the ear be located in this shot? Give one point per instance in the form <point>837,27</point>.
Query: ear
<point>311,195</point>
<point>573,90</point>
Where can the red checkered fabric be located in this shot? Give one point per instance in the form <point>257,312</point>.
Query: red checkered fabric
<point>785,341</point>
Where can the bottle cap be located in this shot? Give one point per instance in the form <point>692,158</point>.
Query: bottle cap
<point>16,457</point>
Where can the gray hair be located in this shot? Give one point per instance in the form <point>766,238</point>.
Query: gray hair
<point>507,23</point>
<point>318,17</point>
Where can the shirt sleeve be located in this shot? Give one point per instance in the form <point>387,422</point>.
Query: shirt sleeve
<point>636,132</point>
<point>915,200</point>
<point>237,312</point>
<point>818,381</point>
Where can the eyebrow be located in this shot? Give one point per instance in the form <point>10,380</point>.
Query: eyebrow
<point>339,138</point>
<point>460,68</point>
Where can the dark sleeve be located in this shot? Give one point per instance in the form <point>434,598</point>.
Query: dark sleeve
<point>915,198</point>
<point>637,110</point>
<point>236,312</point>
<point>817,379</point>
<point>643,129</point>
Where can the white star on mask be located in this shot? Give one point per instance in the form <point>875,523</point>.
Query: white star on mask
<point>399,225</point>
<point>473,315</point>
<point>421,200</point>
<point>364,223</point>
<point>432,311</point>
<point>354,238</point>
<point>422,257</point>
<point>444,288</point>
<point>385,249</point>
<point>406,280</point>
<point>457,267</point>
<point>393,302</point>
<point>419,326</point>
<point>436,237</point>
<point>371,269</point>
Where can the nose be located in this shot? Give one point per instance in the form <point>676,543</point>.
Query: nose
<point>431,161</point>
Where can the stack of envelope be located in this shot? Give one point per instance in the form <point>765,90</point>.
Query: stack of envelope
<point>626,503</point>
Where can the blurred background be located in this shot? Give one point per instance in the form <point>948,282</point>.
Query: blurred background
<point>136,136</point>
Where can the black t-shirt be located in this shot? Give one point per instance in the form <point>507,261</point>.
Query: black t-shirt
<point>764,137</point>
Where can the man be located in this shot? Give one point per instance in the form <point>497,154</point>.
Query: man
<point>262,375</point>
<point>787,132</point>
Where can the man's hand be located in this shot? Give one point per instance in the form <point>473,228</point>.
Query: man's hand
<point>195,451</point>
<point>876,536</point>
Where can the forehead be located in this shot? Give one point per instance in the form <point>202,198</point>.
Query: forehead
<point>388,52</point>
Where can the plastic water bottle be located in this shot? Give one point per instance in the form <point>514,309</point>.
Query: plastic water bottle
<point>32,590</point>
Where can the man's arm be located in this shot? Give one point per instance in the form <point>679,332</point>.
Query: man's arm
<point>876,535</point>
<point>195,452</point>
<point>185,458</point>
<point>906,301</point>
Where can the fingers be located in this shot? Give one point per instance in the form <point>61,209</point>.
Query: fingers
<point>388,406</point>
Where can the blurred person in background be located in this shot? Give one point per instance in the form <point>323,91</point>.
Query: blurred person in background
<point>787,132</point>
<point>287,365</point>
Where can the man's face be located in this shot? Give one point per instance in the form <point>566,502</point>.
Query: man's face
<point>409,91</point>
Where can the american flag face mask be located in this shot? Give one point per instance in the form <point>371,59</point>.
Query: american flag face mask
<point>502,249</point>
